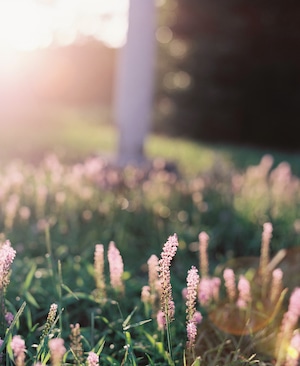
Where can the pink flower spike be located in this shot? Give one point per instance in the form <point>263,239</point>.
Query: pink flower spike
<point>7,256</point>
<point>161,320</point>
<point>203,245</point>
<point>229,278</point>
<point>192,317</point>
<point>244,292</point>
<point>18,346</point>
<point>191,329</point>
<point>294,304</point>
<point>166,298</point>
<point>192,288</point>
<point>57,350</point>
<point>116,268</point>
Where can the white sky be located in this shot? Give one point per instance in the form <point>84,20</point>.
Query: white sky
<point>31,24</point>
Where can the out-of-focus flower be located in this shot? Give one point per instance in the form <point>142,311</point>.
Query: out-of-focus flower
<point>99,271</point>
<point>116,268</point>
<point>18,346</point>
<point>293,351</point>
<point>288,325</point>
<point>92,359</point>
<point>265,248</point>
<point>229,278</point>
<point>9,318</point>
<point>161,320</point>
<point>244,292</point>
<point>203,245</point>
<point>153,281</point>
<point>146,295</point>
<point>57,350</point>
<point>76,344</point>
<point>276,284</point>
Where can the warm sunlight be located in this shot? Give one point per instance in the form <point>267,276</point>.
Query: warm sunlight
<point>26,25</point>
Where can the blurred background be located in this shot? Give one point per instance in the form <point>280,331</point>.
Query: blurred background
<point>225,72</point>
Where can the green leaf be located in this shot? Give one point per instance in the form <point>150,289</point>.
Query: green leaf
<point>31,300</point>
<point>28,279</point>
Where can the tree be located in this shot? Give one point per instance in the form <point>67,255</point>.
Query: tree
<point>135,83</point>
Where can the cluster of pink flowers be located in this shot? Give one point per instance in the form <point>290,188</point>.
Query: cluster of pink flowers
<point>244,297</point>
<point>191,297</point>
<point>57,350</point>
<point>229,278</point>
<point>93,359</point>
<point>208,290</point>
<point>264,255</point>
<point>276,284</point>
<point>18,347</point>
<point>116,267</point>
<point>168,253</point>
<point>7,256</point>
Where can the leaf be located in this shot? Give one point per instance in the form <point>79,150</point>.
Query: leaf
<point>28,279</point>
<point>31,300</point>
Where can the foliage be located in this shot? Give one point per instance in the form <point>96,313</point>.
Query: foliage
<point>54,213</point>
<point>218,80</point>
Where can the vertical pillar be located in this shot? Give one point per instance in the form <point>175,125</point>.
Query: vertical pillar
<point>135,83</point>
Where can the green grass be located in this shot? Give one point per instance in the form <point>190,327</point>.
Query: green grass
<point>75,134</point>
<point>75,203</point>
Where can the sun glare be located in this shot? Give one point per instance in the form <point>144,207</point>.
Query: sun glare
<point>27,25</point>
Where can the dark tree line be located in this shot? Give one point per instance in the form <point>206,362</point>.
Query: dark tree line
<point>240,71</point>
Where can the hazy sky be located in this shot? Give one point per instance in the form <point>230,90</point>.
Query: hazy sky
<point>31,24</point>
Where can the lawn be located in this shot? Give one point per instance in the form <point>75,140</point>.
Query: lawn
<point>74,219</point>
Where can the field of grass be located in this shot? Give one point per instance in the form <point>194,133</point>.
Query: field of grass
<point>60,197</point>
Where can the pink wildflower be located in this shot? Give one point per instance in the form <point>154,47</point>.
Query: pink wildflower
<point>265,248</point>
<point>204,293</point>
<point>57,350</point>
<point>293,354</point>
<point>184,293</point>
<point>192,289</point>
<point>215,284</point>
<point>208,290</point>
<point>93,359</point>
<point>191,330</point>
<point>7,256</point>
<point>146,295</point>
<point>161,320</point>
<point>229,279</point>
<point>276,285</point>
<point>9,318</point>
<point>197,317</point>
<point>168,253</point>
<point>152,271</point>
<point>18,346</point>
<point>244,292</point>
<point>288,324</point>
<point>153,281</point>
<point>116,267</point>
<point>99,270</point>
<point>203,245</point>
